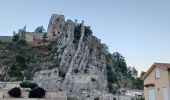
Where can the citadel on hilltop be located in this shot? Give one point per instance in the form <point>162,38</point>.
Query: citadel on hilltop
<point>52,32</point>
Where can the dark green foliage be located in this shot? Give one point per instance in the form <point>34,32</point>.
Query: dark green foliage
<point>45,36</point>
<point>37,93</point>
<point>112,89</point>
<point>111,77</point>
<point>138,84</point>
<point>132,74</point>
<point>88,31</point>
<point>71,98</point>
<point>28,84</point>
<point>40,29</point>
<point>97,98</point>
<point>15,92</point>
<point>77,34</point>
<point>1,78</point>
<point>20,59</point>
<point>15,38</point>
<point>28,74</point>
<point>120,62</point>
<point>22,42</point>
<point>142,73</point>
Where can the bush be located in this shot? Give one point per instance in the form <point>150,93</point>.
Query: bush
<point>15,92</point>
<point>72,98</point>
<point>15,38</point>
<point>37,93</point>
<point>28,84</point>
<point>93,79</point>
<point>40,29</point>
<point>97,98</point>
<point>88,31</point>
<point>77,34</point>
<point>22,42</point>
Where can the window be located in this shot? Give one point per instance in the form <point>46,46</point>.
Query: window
<point>157,73</point>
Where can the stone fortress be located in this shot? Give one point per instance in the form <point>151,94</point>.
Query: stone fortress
<point>53,31</point>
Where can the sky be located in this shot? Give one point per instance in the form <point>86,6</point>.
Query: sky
<point>138,29</point>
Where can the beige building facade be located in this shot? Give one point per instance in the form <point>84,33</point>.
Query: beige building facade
<point>157,82</point>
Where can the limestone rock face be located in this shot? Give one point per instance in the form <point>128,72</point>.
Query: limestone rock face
<point>56,26</point>
<point>80,67</point>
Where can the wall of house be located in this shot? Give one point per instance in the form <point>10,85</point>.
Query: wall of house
<point>163,81</point>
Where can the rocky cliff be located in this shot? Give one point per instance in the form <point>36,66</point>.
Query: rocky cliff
<point>79,58</point>
<point>71,60</point>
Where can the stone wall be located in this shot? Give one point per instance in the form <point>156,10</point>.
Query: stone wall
<point>29,36</point>
<point>24,95</point>
<point>38,36</point>
<point>5,38</point>
<point>9,85</point>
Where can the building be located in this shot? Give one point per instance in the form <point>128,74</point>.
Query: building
<point>157,82</point>
<point>132,92</point>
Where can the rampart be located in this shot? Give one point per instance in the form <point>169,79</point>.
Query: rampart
<point>5,38</point>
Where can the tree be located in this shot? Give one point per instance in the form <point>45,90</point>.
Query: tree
<point>45,36</point>
<point>132,72</point>
<point>40,29</point>
<point>15,92</point>
<point>120,62</point>
<point>142,74</point>
<point>15,38</point>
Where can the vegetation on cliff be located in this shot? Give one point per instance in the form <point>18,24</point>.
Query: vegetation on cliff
<point>21,60</point>
<point>121,76</point>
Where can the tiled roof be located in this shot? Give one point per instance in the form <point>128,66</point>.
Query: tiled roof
<point>165,65</point>
<point>162,65</point>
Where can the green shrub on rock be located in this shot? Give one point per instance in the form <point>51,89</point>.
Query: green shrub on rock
<point>28,84</point>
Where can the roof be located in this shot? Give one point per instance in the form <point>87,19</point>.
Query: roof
<point>165,65</point>
<point>161,65</point>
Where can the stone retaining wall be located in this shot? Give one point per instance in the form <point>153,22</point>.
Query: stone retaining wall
<point>24,96</point>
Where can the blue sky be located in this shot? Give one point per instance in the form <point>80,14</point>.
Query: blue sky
<point>138,29</point>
